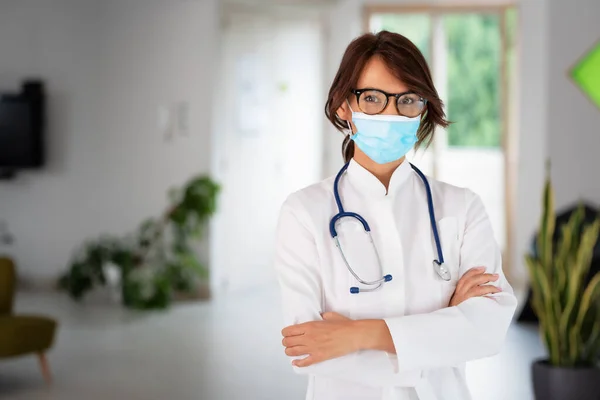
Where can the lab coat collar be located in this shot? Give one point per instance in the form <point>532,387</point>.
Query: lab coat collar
<point>368,184</point>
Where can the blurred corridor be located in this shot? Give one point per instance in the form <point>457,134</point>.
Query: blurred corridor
<point>168,118</point>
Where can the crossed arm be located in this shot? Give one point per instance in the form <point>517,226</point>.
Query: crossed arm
<point>330,344</point>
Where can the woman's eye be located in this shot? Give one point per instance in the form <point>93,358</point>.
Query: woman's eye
<point>406,100</point>
<point>371,99</point>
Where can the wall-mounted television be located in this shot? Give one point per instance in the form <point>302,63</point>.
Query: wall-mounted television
<point>22,126</point>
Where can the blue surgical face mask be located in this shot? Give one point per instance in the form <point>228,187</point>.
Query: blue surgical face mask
<point>385,138</point>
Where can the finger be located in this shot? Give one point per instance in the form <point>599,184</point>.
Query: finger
<point>472,272</point>
<point>483,290</point>
<point>294,330</point>
<point>304,362</point>
<point>467,275</point>
<point>480,280</point>
<point>296,351</point>
<point>475,279</point>
<point>291,341</point>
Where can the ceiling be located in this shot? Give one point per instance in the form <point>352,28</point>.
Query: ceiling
<point>282,2</point>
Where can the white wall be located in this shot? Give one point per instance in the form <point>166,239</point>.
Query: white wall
<point>532,128</point>
<point>343,23</point>
<point>573,120</point>
<point>108,65</point>
<point>557,120</point>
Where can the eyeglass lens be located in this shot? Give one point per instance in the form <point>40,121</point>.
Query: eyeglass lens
<point>374,102</point>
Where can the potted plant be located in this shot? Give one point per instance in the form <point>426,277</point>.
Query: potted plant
<point>158,261</point>
<point>567,309</point>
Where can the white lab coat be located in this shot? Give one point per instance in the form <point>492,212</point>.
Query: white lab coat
<point>433,341</point>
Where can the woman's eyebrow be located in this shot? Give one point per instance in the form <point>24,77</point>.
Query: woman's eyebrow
<point>382,90</point>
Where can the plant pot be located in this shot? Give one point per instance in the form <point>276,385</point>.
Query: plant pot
<point>557,383</point>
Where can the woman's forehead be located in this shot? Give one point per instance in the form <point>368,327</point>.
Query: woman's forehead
<point>377,75</point>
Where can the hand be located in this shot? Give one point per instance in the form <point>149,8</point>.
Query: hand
<point>333,337</point>
<point>473,284</point>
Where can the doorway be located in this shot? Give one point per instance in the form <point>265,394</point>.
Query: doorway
<point>267,139</point>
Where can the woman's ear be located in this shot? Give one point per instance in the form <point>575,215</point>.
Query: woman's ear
<point>344,112</point>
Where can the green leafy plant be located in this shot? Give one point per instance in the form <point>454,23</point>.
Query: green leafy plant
<point>568,311</point>
<point>156,261</point>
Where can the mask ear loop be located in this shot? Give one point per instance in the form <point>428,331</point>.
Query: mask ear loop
<point>349,131</point>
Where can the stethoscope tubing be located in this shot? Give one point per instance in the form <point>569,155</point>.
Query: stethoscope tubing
<point>440,269</point>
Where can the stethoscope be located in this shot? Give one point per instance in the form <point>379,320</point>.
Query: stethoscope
<point>438,265</point>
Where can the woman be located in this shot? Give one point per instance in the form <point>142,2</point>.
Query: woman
<point>399,316</point>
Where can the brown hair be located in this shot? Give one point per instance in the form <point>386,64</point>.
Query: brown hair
<point>405,61</point>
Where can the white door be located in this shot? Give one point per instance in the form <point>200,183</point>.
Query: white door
<point>267,138</point>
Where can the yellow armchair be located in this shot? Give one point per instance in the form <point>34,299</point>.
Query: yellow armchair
<point>22,334</point>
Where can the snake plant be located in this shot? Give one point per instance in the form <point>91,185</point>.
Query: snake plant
<point>568,310</point>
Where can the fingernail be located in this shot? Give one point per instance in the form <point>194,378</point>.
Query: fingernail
<point>480,268</point>
<point>496,275</point>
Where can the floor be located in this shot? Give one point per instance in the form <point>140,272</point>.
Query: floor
<point>226,349</point>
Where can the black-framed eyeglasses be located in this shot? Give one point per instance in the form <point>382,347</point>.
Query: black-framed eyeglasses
<point>374,101</point>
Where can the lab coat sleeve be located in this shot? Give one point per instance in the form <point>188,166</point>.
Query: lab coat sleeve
<point>297,268</point>
<point>474,329</point>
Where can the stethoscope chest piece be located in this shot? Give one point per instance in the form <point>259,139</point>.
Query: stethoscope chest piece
<point>442,270</point>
